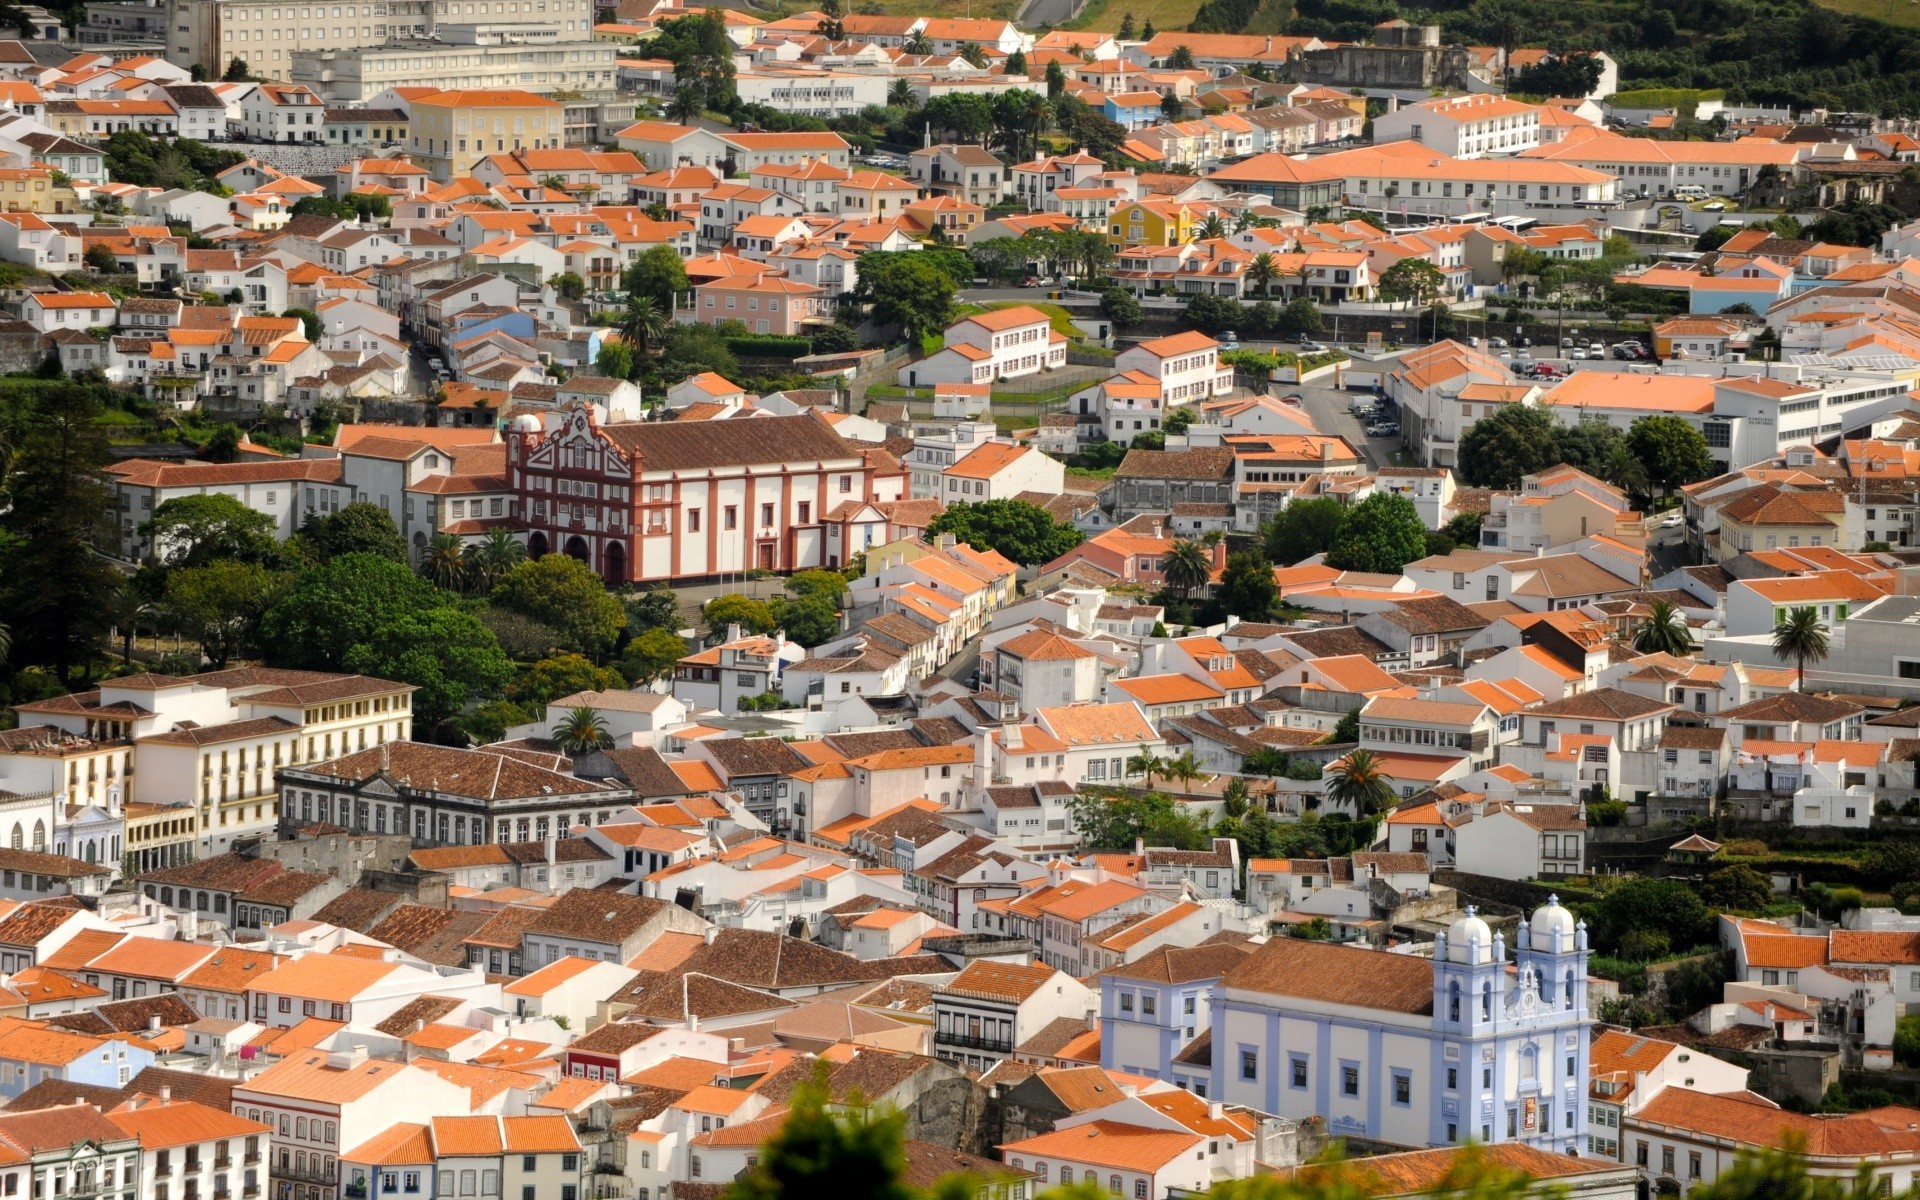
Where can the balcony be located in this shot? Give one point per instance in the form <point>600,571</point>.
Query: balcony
<point>967,1041</point>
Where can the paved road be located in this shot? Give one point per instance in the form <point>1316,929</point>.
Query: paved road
<point>1329,408</point>
<point>997,295</point>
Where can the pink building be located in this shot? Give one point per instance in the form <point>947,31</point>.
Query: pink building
<point>766,304</point>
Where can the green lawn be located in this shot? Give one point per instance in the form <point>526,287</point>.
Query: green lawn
<point>1105,15</point>
<point>1893,12</point>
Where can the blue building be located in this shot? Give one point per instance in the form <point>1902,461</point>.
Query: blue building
<point>1473,1043</point>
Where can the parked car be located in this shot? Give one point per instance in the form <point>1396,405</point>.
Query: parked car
<point>1577,354</point>
<point>1497,343</point>
<point>1566,343</point>
<point>1229,339</point>
<point>1383,431</point>
<point>1672,520</point>
<point>1309,346</point>
<point>1714,206</point>
<point>1033,281</point>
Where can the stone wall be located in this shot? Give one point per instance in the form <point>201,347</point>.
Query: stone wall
<point>295,158</point>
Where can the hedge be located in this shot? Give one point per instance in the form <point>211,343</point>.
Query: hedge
<point>770,346</point>
<point>1664,97</point>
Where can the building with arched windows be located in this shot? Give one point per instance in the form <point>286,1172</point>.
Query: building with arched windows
<point>1477,1043</point>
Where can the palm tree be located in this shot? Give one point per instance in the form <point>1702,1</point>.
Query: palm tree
<point>1359,780</point>
<point>1261,273</point>
<point>1146,763</point>
<point>6,642</point>
<point>900,94</point>
<point>1212,227</point>
<point>1187,567</point>
<point>686,105</point>
<point>1802,638</point>
<point>1663,632</point>
<point>1034,116</point>
<point>444,563</point>
<point>583,730</point>
<point>490,560</point>
<point>1186,768</point>
<point>919,44</point>
<point>642,324</point>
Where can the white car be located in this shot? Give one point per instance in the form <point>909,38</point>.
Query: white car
<point>1672,520</point>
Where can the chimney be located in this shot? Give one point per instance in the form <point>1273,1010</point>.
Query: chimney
<point>153,1023</point>
<point>1012,736</point>
<point>733,631</point>
<point>711,933</point>
<point>1156,527</point>
<point>166,1093</point>
<point>1216,1110</point>
<point>1093,1021</point>
<point>1326,451</point>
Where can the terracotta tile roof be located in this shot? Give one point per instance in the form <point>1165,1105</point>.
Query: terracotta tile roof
<point>1337,975</point>
<point>1108,1144</point>
<point>998,981</point>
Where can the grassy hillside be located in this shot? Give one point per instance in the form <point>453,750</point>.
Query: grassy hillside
<point>1905,13</point>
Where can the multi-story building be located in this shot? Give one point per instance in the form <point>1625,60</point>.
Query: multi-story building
<point>991,1007</point>
<point>207,1153</point>
<point>449,132</point>
<point>685,500</point>
<point>1471,126</point>
<point>1003,343</point>
<point>350,74</point>
<point>1412,1051</point>
<point>318,1102</point>
<point>208,742</point>
<point>443,795</point>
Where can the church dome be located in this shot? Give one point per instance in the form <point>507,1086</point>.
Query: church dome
<point>1549,925</point>
<point>1469,940</point>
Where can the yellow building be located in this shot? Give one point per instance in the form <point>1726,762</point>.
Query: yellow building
<point>1151,223</point>
<point>32,189</point>
<point>451,131</point>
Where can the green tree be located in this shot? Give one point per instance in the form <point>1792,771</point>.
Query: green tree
<point>828,1151</point>
<point>569,286</point>
<point>1673,451</point>
<point>643,324</point>
<point>1591,446</point>
<point>1737,888</point>
<point>1303,528</point>
<point>562,592</point>
<point>808,620</point>
<point>1346,730</point>
<point>1801,639</point>
<point>1668,906</point>
<point>100,258</point>
<point>752,616</point>
<point>236,71</point>
<point>1025,533</point>
<point>615,360</point>
<point>336,604</point>
<point>659,274</point>
<point>1412,281</point>
<point>192,531</point>
<point>444,562</point>
<point>1664,631</point>
<point>1119,306</point>
<point>446,653</point>
<point>1301,316</point>
<point>489,559</point>
<point>223,444</point>
<point>220,605</point>
<point>651,656</point>
<point>563,675</point>
<point>655,608</point>
<point>1126,29</point>
<point>1056,80</point>
<point>1906,1040</point>
<point>1359,782</point>
<point>1382,533</point>
<point>310,322</point>
<point>1187,567</point>
<point>359,528</point>
<point>582,730</point>
<point>1890,862</point>
<point>1180,60</point>
<point>54,589</point>
<point>915,295</point>
<point>1516,440</point>
<point>1247,587</point>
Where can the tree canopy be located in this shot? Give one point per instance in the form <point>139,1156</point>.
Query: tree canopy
<point>563,593</point>
<point>193,531</point>
<point>360,528</point>
<point>1303,529</point>
<point>1382,533</point>
<point>1023,532</point>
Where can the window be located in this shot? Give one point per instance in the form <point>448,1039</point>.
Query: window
<point>1666,1160</point>
<point>1402,1088</point>
<point>1249,1064</point>
<point>1349,1080</point>
<point>1453,1078</point>
<point>1140,1189</point>
<point>1297,1071</point>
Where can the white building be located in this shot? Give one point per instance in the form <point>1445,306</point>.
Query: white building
<point>1004,343</point>
<point>1471,126</point>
